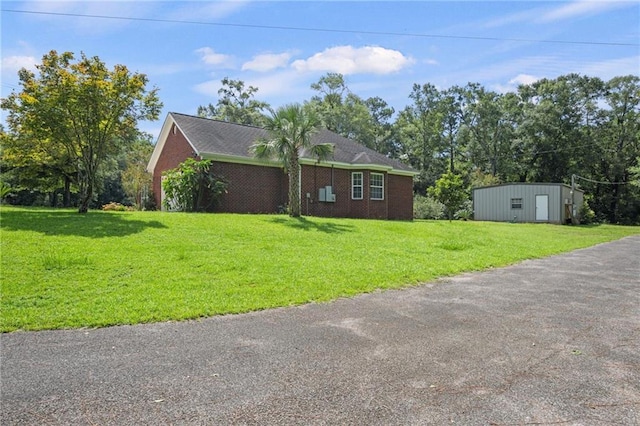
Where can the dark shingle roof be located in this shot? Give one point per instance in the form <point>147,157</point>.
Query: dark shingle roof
<point>222,138</point>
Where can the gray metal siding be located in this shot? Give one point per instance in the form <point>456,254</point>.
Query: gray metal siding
<point>494,203</point>
<point>578,199</point>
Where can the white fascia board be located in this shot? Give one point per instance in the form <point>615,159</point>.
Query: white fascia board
<point>222,158</point>
<point>162,138</point>
<point>404,172</point>
<point>348,166</point>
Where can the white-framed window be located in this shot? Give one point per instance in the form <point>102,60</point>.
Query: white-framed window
<point>376,186</point>
<point>516,203</point>
<point>356,185</point>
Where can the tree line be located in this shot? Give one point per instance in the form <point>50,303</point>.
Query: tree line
<point>72,133</point>
<point>546,131</point>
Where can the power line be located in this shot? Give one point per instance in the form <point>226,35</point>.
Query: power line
<point>326,30</point>
<point>570,148</point>
<point>599,181</point>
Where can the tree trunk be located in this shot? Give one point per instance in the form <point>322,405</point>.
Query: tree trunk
<point>86,192</point>
<point>451,165</point>
<point>84,204</point>
<point>66,196</point>
<point>294,189</point>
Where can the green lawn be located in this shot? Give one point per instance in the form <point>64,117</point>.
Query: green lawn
<point>63,270</point>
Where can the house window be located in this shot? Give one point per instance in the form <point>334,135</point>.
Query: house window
<point>516,203</point>
<point>356,185</point>
<point>376,187</point>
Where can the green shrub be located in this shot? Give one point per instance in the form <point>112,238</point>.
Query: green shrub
<point>5,189</point>
<point>117,207</point>
<point>192,186</point>
<point>427,208</point>
<point>466,212</point>
<point>586,215</point>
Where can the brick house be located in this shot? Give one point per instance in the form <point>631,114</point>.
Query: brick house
<point>355,182</point>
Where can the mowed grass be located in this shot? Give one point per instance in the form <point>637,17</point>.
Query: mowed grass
<point>65,270</point>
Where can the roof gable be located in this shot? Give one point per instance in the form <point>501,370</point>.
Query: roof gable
<point>220,139</point>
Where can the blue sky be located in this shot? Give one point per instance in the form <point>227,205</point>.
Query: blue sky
<point>382,48</point>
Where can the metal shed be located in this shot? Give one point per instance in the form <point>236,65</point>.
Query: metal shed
<point>527,202</point>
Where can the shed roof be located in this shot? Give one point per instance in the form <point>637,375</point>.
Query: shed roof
<point>525,183</point>
<point>231,142</point>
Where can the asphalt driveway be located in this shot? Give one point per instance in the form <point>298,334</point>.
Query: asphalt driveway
<point>551,341</point>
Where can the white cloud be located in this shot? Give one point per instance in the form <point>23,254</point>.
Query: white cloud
<point>512,85</point>
<point>277,88</point>
<point>553,67</point>
<point>13,64</point>
<point>282,84</point>
<point>210,57</point>
<point>581,8</point>
<point>523,79</point>
<point>566,10</point>
<point>350,60</point>
<point>608,69</point>
<point>267,62</point>
<point>208,88</point>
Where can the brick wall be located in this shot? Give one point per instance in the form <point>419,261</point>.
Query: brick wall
<point>175,150</point>
<point>397,203</point>
<point>400,197</point>
<point>260,189</point>
<point>251,189</point>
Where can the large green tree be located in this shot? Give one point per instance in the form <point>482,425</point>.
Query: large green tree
<point>236,104</point>
<point>419,129</point>
<point>614,151</point>
<point>489,124</point>
<point>554,114</point>
<point>342,111</point>
<point>328,103</point>
<point>382,128</point>
<point>291,128</point>
<point>81,109</point>
<point>34,164</point>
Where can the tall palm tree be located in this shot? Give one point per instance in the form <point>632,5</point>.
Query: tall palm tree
<point>290,130</point>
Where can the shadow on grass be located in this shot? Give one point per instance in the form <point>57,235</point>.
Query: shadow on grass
<point>305,224</point>
<point>67,222</point>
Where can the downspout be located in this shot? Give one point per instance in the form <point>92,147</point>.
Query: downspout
<point>315,188</point>
<point>332,177</point>
<point>368,199</point>
<point>386,194</point>
<point>332,191</point>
